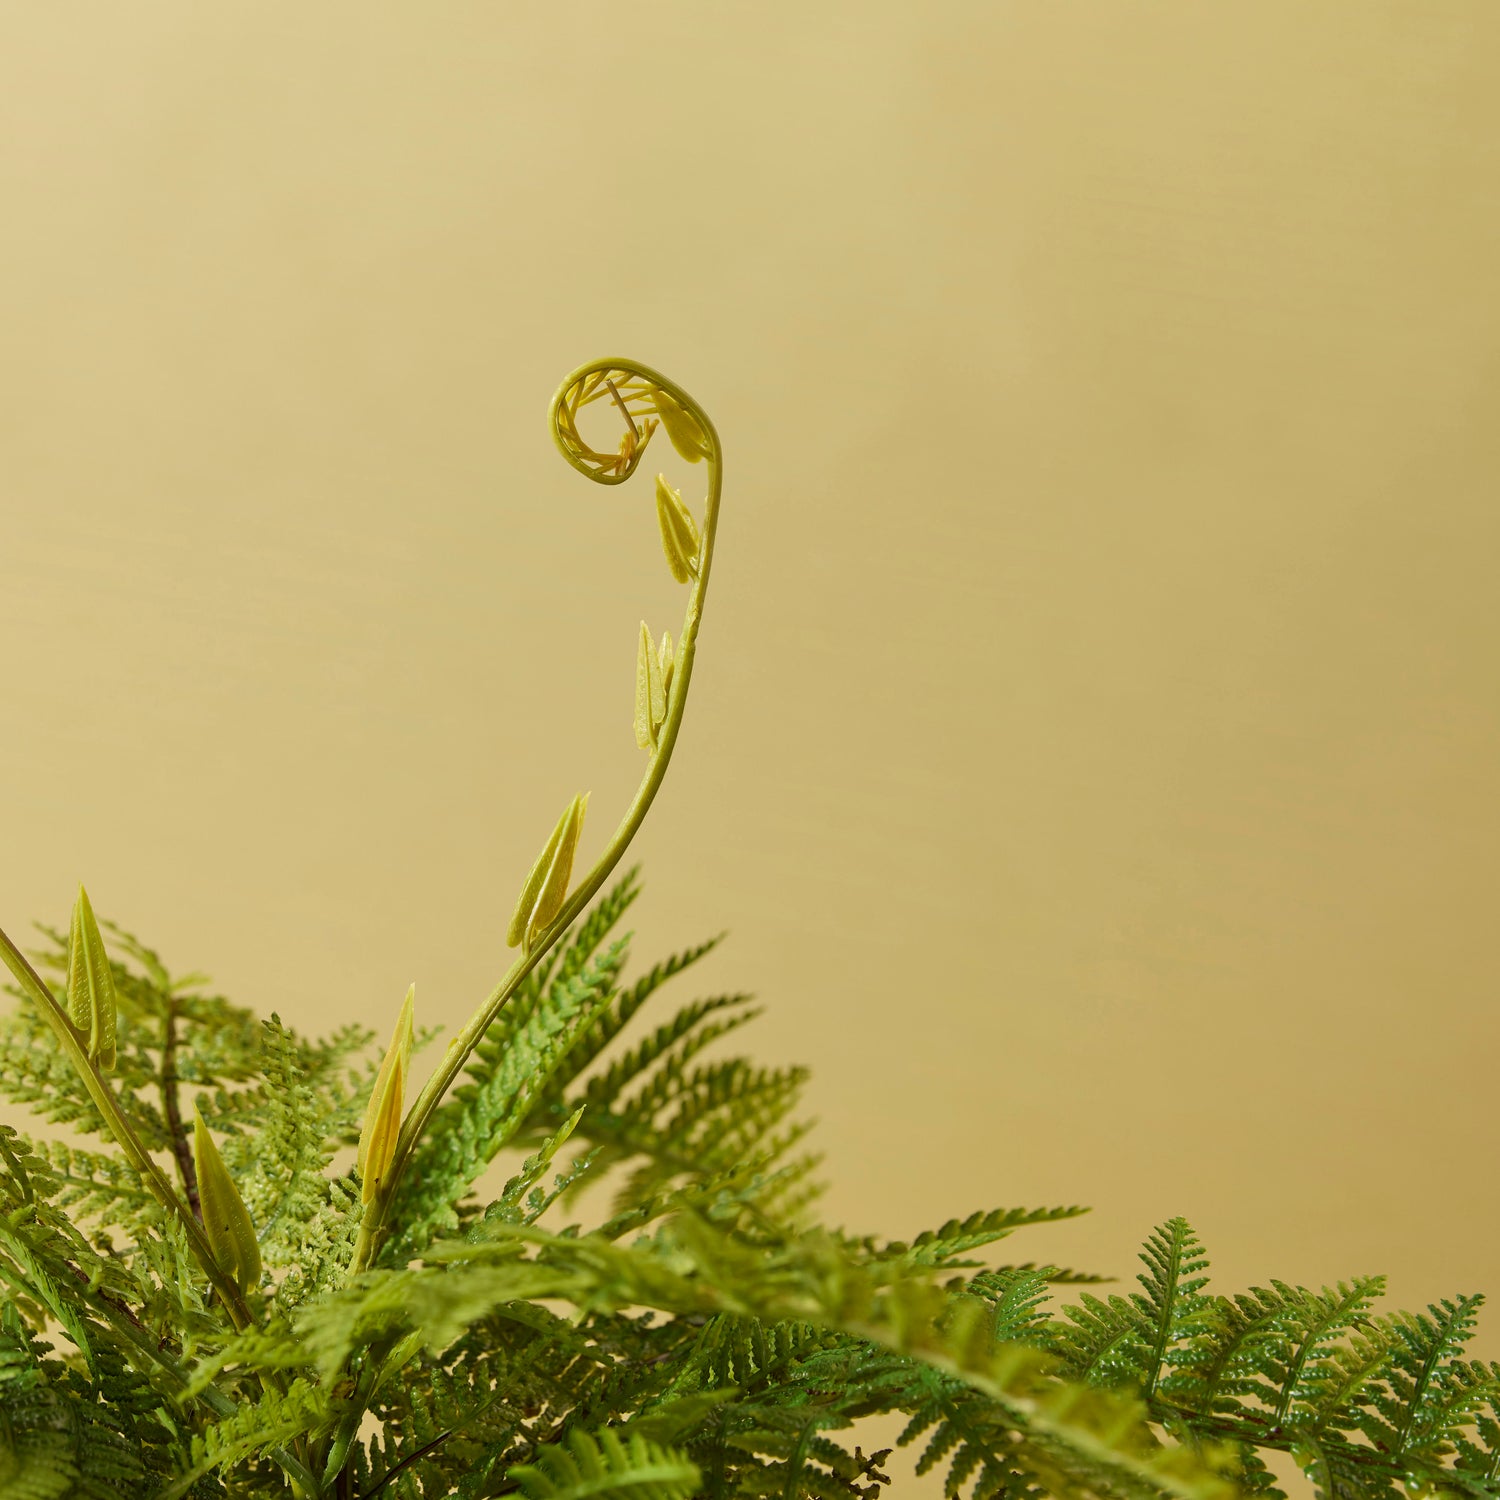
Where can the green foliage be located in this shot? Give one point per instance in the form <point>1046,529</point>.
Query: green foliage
<point>581,1466</point>
<point>704,1337</point>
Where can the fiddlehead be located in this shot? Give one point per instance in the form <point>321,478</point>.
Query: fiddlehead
<point>645,401</point>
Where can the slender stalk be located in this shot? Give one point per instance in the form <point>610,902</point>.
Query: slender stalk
<point>136,1154</point>
<point>372,1230</point>
<point>120,1127</point>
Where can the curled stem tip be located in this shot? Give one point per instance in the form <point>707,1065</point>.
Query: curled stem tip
<point>645,400</point>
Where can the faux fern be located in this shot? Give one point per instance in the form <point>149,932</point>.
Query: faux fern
<point>198,1297</point>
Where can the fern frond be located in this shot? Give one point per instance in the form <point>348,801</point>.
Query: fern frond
<point>1016,1296</point>
<point>603,1091</point>
<point>941,1248</point>
<point>36,1075</point>
<point>603,1466</point>
<point>91,1185</point>
<point>64,1435</point>
<point>1429,1390</point>
<point>1175,1313</point>
<point>256,1428</point>
<point>279,1168</point>
<point>507,1073</point>
<point>593,1042</point>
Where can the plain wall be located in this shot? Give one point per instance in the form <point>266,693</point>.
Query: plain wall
<point>1095,750</point>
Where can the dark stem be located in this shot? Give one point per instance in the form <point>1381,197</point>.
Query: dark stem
<point>405,1463</point>
<point>427,1448</point>
<point>176,1130</point>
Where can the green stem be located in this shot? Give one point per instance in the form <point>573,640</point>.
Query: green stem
<point>141,1159</point>
<point>114,1118</point>
<point>372,1229</point>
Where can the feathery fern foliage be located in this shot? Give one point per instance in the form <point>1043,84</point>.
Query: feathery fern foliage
<point>706,1338</point>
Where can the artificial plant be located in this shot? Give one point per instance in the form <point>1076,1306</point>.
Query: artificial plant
<point>207,1303</point>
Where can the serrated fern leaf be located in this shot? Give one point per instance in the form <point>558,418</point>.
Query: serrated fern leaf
<point>65,1437</point>
<point>1016,1297</point>
<point>941,1248</point>
<point>1315,1379</point>
<point>279,1168</point>
<point>1429,1390</point>
<point>1175,1313</point>
<point>505,1077</point>
<point>256,1428</point>
<point>607,1466</point>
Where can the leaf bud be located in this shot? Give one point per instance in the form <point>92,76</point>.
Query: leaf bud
<point>226,1220</point>
<point>683,428</point>
<point>546,886</point>
<point>382,1124</point>
<point>679,532</point>
<point>91,985</point>
<point>650,691</point>
<point>664,665</point>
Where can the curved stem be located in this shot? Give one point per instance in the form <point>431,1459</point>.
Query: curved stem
<point>372,1229</point>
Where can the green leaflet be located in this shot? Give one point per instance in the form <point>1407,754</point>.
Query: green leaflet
<point>683,428</point>
<point>226,1220</point>
<point>665,665</point>
<point>680,539</point>
<point>91,986</point>
<point>650,699</point>
<point>653,682</point>
<point>255,1428</point>
<point>382,1123</point>
<point>602,1466</point>
<point>546,887</point>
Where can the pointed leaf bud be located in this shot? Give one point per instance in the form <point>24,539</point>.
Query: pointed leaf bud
<point>664,664</point>
<point>679,532</point>
<point>382,1126</point>
<point>648,691</point>
<point>91,985</point>
<point>683,428</point>
<point>546,887</point>
<point>226,1220</point>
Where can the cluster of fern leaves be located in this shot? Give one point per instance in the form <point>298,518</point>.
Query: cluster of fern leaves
<point>707,1338</point>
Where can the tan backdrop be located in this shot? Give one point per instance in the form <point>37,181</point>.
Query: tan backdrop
<point>1094,752</point>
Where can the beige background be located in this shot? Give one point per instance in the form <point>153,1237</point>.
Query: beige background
<point>1094,752</point>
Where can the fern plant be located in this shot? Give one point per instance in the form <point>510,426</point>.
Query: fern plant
<point>262,1265</point>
